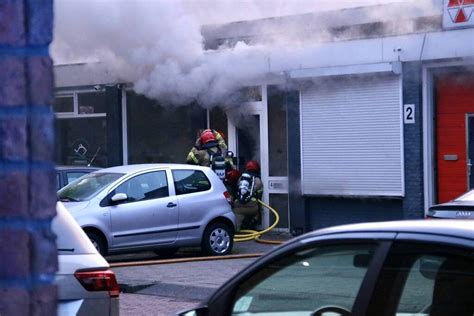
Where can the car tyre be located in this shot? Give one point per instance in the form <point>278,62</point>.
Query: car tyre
<point>218,239</point>
<point>98,243</point>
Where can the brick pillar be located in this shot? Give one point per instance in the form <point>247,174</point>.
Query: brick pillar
<point>27,179</point>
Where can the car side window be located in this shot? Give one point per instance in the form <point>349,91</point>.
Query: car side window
<point>419,279</point>
<point>306,282</point>
<point>190,181</point>
<point>147,186</point>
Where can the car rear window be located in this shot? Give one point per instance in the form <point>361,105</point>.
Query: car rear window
<point>70,238</point>
<point>190,181</point>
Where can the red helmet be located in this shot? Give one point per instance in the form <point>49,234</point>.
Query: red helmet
<point>207,136</point>
<point>232,176</point>
<point>252,165</point>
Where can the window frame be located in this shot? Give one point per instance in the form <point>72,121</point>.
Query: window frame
<point>75,113</point>
<point>65,96</point>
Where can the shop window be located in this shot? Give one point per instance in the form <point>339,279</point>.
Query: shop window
<point>91,102</point>
<point>161,133</point>
<point>218,121</point>
<point>64,104</point>
<point>251,94</point>
<point>81,141</point>
<point>277,134</point>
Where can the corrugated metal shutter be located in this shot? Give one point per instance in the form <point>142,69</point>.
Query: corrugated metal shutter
<point>351,137</point>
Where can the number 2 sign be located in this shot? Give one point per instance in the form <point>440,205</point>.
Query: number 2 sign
<point>409,113</point>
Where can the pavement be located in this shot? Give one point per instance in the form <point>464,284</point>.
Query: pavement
<point>168,288</point>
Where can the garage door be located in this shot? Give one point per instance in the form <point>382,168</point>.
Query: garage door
<point>351,137</point>
<point>454,111</point>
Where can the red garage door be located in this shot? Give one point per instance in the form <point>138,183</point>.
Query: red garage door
<point>454,107</point>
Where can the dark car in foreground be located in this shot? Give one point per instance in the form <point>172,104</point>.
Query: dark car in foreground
<point>67,174</point>
<point>389,268</point>
<point>460,208</point>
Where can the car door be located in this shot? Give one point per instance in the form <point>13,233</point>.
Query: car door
<point>192,187</point>
<point>149,215</point>
<point>426,278</point>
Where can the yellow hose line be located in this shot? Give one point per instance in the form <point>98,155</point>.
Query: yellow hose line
<point>253,234</point>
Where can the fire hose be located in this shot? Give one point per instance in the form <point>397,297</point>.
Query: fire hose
<point>249,234</point>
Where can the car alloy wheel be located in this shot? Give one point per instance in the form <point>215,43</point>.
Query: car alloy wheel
<point>218,239</point>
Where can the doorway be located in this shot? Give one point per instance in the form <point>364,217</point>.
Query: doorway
<point>257,130</point>
<point>454,134</point>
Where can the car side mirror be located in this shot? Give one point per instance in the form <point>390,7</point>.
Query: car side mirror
<point>119,197</point>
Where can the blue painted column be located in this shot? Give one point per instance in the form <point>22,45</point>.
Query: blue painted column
<point>413,203</point>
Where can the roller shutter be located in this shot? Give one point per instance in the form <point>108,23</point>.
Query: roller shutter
<point>351,137</point>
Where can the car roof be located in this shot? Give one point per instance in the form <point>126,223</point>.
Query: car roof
<point>139,167</point>
<point>453,228</point>
<point>77,168</point>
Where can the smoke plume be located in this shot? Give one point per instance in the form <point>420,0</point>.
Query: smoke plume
<point>159,47</point>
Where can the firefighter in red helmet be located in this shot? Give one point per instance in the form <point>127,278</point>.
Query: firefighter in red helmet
<point>249,190</point>
<point>209,145</point>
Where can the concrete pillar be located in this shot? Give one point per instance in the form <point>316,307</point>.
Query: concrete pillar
<point>27,178</point>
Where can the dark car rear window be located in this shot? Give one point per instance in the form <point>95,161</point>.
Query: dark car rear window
<point>190,181</point>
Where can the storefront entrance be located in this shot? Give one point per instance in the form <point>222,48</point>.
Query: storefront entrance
<point>257,131</point>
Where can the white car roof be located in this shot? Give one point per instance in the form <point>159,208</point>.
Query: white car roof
<point>126,169</point>
<point>453,228</point>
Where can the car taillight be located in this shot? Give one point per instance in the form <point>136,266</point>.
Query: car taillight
<point>99,281</point>
<point>228,197</point>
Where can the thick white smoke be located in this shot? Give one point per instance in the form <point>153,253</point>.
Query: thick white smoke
<point>157,44</point>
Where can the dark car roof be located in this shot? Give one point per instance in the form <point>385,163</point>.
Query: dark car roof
<point>453,228</point>
<point>77,168</point>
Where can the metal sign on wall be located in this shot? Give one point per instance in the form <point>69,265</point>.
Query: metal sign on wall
<point>458,13</point>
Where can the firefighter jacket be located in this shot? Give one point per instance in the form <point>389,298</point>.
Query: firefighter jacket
<point>202,156</point>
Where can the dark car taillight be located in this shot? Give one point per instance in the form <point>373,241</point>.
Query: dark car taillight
<point>228,197</point>
<point>99,281</point>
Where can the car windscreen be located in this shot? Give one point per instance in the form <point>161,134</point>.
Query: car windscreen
<point>86,187</point>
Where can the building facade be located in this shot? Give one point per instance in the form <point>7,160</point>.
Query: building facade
<point>367,120</point>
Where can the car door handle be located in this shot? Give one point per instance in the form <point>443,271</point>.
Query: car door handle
<point>171,204</point>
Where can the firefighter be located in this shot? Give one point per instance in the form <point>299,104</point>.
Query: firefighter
<point>205,149</point>
<point>218,136</point>
<point>249,190</point>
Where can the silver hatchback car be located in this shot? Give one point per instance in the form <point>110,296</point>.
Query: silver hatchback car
<point>159,207</point>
